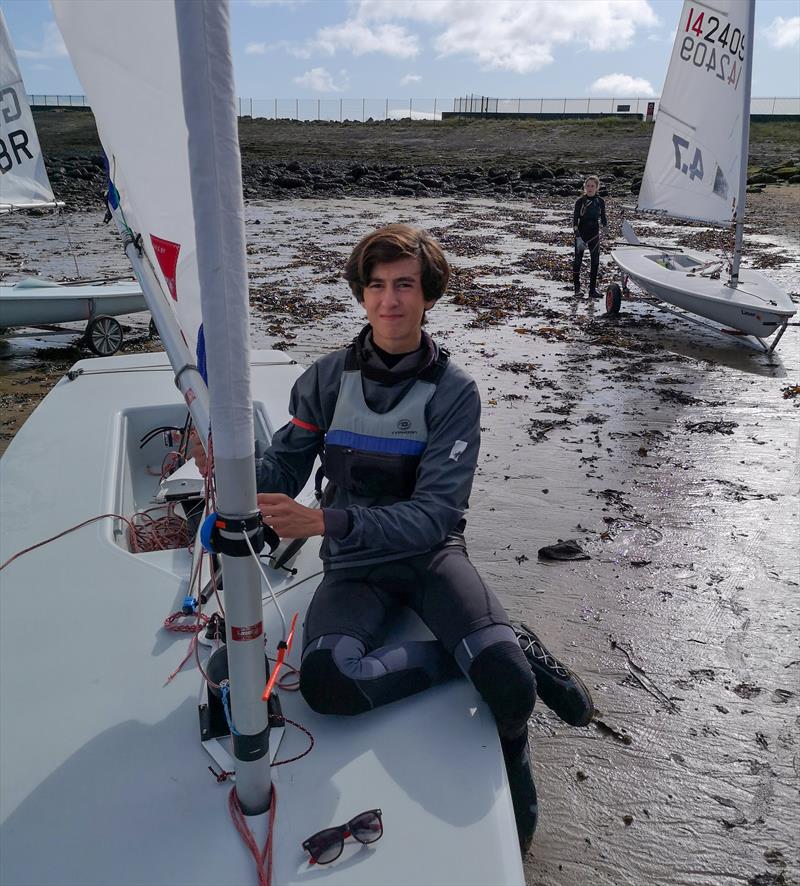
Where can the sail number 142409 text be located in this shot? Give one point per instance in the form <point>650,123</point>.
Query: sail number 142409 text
<point>717,48</point>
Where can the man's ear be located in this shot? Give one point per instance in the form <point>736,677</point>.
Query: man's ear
<point>429,303</point>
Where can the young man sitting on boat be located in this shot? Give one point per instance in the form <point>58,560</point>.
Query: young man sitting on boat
<point>397,425</point>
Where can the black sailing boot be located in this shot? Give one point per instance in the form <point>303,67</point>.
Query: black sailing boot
<point>523,789</point>
<point>561,690</point>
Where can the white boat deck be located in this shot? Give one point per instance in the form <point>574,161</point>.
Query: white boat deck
<point>103,777</point>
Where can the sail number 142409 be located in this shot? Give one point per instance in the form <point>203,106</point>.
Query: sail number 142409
<point>715,46</point>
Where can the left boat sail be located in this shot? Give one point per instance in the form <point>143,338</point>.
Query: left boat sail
<point>23,178</point>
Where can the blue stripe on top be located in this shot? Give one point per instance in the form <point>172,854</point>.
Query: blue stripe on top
<point>367,443</point>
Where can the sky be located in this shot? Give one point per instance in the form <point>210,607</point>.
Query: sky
<point>424,49</point>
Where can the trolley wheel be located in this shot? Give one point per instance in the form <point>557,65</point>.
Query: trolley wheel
<point>613,299</point>
<point>104,336</point>
<point>152,329</point>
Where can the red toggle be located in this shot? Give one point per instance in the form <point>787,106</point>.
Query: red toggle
<point>284,647</point>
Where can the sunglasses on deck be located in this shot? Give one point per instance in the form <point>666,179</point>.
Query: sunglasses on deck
<point>326,846</point>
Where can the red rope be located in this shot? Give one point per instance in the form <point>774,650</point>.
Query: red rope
<point>47,541</point>
<point>262,857</point>
<point>306,751</point>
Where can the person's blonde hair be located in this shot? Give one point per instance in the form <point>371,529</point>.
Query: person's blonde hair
<point>591,178</point>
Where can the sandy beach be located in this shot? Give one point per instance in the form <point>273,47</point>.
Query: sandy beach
<point>667,451</point>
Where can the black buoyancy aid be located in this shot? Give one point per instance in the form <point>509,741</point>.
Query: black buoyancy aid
<point>375,454</point>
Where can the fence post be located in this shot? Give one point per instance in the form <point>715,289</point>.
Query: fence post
<point>773,105</point>
<point>318,115</point>
<point>434,110</point>
<point>297,109</point>
<point>340,110</point>
<point>410,106</point>
<point>276,109</point>
<point>251,109</point>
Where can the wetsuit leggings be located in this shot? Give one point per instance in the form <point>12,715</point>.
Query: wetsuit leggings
<point>348,667</point>
<point>590,237</point>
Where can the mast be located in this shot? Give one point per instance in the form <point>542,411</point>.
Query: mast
<point>745,148</point>
<point>209,105</point>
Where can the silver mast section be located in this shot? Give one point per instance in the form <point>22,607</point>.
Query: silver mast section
<point>187,376</point>
<point>745,147</point>
<point>209,104</point>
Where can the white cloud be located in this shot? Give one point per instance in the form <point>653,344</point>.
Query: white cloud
<point>360,38</point>
<point>410,78</point>
<point>406,113</point>
<point>783,33</point>
<point>52,44</point>
<point>256,49</point>
<point>518,36</point>
<point>320,80</point>
<point>622,85</point>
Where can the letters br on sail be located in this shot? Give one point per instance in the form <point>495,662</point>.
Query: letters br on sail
<point>23,178</point>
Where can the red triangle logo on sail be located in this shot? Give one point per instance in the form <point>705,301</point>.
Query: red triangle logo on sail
<point>167,256</point>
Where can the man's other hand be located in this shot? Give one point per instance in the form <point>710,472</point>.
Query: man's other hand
<point>288,518</point>
<point>195,450</point>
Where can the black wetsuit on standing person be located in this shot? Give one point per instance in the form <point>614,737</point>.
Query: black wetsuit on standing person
<point>589,214</point>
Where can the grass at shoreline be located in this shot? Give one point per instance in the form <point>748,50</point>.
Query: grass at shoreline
<point>443,143</point>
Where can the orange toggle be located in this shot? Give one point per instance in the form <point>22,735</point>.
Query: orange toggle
<point>283,649</point>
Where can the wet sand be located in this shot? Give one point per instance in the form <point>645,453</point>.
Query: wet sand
<point>667,451</point>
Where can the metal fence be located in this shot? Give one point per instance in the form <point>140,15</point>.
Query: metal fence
<point>365,109</point>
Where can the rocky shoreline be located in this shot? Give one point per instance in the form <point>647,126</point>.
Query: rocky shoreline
<point>490,159</point>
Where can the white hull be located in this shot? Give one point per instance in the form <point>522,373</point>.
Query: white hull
<point>39,302</point>
<point>757,306</point>
<point>104,780</point>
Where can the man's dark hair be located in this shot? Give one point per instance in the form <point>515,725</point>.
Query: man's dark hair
<point>395,242</point>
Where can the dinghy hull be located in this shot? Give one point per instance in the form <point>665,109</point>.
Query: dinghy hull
<point>34,302</point>
<point>756,306</point>
<point>104,780</point>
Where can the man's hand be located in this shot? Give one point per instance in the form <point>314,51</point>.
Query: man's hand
<point>288,518</point>
<point>195,450</point>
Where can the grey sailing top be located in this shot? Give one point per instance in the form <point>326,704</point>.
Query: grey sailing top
<point>361,528</point>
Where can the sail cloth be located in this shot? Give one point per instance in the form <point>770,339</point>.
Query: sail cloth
<point>23,178</point>
<point>693,167</point>
<point>128,57</point>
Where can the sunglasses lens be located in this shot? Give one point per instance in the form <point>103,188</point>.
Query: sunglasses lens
<point>367,827</point>
<point>326,846</point>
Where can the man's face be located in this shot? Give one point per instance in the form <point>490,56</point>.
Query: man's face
<point>394,302</point>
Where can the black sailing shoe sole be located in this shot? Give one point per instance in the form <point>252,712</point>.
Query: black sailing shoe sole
<point>556,685</point>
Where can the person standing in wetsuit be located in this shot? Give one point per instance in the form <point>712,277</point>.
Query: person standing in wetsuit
<point>589,214</point>
<point>397,426</point>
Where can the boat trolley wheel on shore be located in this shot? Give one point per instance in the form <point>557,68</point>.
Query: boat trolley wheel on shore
<point>613,299</point>
<point>103,336</point>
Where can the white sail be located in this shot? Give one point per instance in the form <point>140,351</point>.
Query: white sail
<point>693,167</point>
<point>126,57</point>
<point>23,178</point>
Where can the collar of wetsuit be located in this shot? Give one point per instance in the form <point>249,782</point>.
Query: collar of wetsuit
<point>372,367</point>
